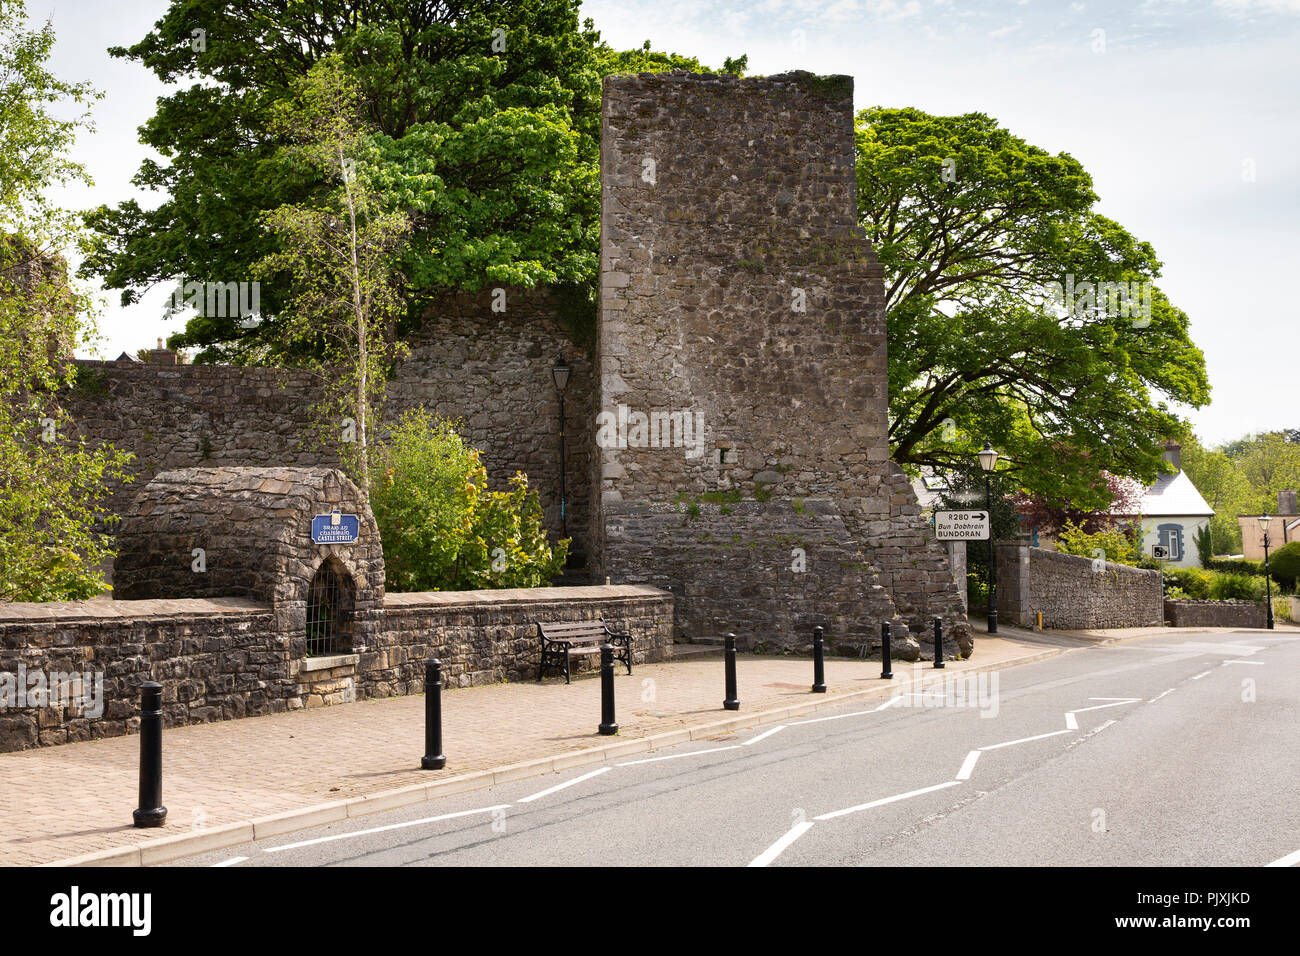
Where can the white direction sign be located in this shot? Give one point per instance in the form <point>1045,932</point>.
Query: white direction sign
<point>961,525</point>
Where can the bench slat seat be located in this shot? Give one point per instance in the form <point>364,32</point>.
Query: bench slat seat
<point>563,641</point>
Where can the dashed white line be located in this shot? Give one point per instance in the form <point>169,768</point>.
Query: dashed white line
<point>1070,722</point>
<point>1024,740</point>
<point>560,786</point>
<point>1158,696</point>
<point>1200,675</point>
<point>693,753</point>
<point>883,801</point>
<point>391,826</point>
<point>1291,859</point>
<point>1255,663</point>
<point>780,846</point>
<point>231,862</point>
<point>765,734</point>
<point>968,765</point>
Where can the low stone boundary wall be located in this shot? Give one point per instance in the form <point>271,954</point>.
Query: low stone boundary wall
<point>1216,614</point>
<point>1072,592</point>
<point>72,671</point>
<point>483,637</point>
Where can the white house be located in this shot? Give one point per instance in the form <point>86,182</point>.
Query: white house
<point>1173,512</point>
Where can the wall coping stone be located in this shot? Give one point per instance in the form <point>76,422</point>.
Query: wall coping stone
<point>521,596</point>
<point>149,609</point>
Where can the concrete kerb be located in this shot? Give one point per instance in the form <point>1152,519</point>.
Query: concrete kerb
<point>168,849</point>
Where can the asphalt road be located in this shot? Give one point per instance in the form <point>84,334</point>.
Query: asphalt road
<point>1163,751</point>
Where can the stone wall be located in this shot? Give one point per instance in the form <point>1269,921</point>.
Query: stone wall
<point>489,369</point>
<point>222,658</point>
<point>1216,614</point>
<point>1073,592</point>
<point>484,637</point>
<point>738,294</point>
<point>217,658</point>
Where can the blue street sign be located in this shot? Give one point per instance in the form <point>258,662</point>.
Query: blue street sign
<point>335,528</point>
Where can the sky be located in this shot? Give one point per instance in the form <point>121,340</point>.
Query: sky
<point>1185,112</point>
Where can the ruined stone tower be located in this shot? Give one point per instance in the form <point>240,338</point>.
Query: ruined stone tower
<point>743,460</point>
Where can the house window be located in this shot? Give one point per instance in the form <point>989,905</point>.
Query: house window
<point>329,608</point>
<point>1171,538</point>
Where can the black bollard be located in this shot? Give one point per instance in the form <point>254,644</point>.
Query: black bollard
<point>151,812</point>
<point>938,643</point>
<point>819,663</point>
<point>433,758</point>
<point>886,666</point>
<point>607,724</point>
<point>732,702</point>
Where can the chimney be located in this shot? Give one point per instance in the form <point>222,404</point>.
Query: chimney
<point>1173,453</point>
<point>162,355</point>
<point>1286,503</point>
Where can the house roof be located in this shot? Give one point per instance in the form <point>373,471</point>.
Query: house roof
<point>1174,496</point>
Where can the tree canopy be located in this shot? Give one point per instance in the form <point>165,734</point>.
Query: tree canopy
<point>485,115</point>
<point>973,227</point>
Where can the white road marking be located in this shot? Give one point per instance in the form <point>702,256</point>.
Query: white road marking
<point>1024,740</point>
<point>1070,722</point>
<point>1158,696</point>
<point>1127,700</point>
<point>764,734</point>
<point>231,862</point>
<point>1200,675</point>
<point>1114,698</point>
<point>780,846</point>
<point>391,826</point>
<point>818,720</point>
<point>968,765</point>
<point>1256,663</point>
<point>1291,859</point>
<point>693,753</point>
<point>1202,648</point>
<point>1101,727</point>
<point>893,799</point>
<point>560,786</point>
<point>890,703</point>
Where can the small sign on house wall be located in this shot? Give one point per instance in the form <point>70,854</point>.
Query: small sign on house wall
<point>335,528</point>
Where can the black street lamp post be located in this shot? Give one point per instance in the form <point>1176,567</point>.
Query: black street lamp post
<point>560,372</point>
<point>1268,582</point>
<point>988,461</point>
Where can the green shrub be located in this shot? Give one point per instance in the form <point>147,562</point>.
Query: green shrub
<point>1236,566</point>
<point>1284,565</point>
<point>1236,587</point>
<point>1191,582</point>
<point>1118,546</point>
<point>442,529</point>
<point>1204,545</point>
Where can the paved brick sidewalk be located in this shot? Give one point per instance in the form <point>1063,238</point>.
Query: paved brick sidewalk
<point>62,802</point>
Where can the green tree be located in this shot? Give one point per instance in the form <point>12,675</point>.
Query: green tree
<point>973,225</point>
<point>52,486</point>
<point>442,528</point>
<point>1224,487</point>
<point>339,250</point>
<point>486,118</point>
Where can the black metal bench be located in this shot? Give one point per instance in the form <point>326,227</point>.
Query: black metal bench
<point>562,642</point>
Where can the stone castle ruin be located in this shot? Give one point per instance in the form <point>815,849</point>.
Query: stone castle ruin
<point>737,287</point>
<point>725,441</point>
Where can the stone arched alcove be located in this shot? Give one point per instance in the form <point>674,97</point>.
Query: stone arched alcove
<point>247,532</point>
